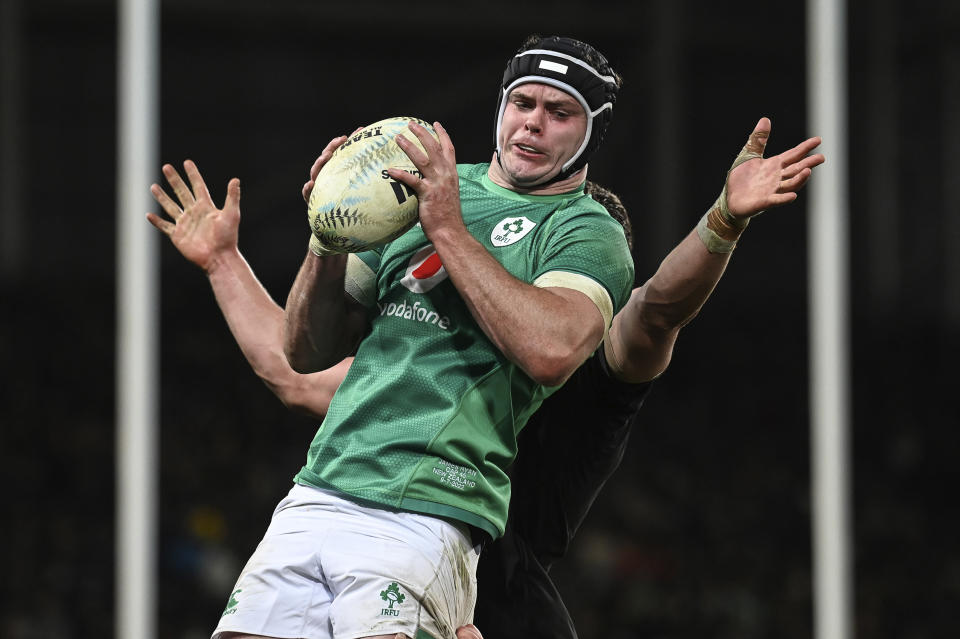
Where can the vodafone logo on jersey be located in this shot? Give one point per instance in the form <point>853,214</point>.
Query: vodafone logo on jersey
<point>424,271</point>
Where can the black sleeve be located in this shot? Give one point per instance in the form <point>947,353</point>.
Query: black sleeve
<point>567,452</point>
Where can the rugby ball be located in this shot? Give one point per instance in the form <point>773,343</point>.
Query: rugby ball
<point>354,204</point>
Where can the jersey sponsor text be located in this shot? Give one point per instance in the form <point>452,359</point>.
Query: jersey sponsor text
<point>414,312</point>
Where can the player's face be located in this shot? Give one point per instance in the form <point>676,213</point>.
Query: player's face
<point>542,128</point>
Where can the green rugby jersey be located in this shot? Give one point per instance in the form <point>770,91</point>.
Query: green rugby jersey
<point>427,417</point>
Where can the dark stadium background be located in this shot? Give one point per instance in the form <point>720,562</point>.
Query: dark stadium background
<point>705,531</point>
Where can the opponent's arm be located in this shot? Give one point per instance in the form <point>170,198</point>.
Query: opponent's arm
<point>643,333</point>
<point>548,332</point>
<point>256,323</point>
<point>208,237</point>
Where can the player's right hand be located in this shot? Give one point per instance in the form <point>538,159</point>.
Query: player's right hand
<point>438,184</point>
<point>755,183</point>
<point>199,230</point>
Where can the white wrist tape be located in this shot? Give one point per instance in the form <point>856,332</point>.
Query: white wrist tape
<point>319,249</point>
<point>719,229</point>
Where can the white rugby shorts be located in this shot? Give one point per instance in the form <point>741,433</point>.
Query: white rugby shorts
<point>329,568</point>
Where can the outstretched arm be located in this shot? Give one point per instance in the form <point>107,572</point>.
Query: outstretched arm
<point>644,332</point>
<point>208,237</point>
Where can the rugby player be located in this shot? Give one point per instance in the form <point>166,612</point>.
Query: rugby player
<point>547,506</point>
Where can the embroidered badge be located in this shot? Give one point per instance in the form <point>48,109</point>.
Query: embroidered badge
<point>392,595</point>
<point>510,230</point>
<point>232,604</point>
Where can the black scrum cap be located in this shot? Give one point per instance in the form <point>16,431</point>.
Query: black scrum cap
<point>559,62</point>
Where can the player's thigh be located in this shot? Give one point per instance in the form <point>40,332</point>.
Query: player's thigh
<point>280,591</point>
<point>400,573</point>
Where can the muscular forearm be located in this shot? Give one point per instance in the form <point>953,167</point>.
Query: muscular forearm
<point>644,332</point>
<point>682,284</point>
<point>320,327</point>
<point>548,332</point>
<point>256,322</point>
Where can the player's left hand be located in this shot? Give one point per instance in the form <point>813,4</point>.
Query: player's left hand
<point>319,163</point>
<point>756,183</point>
<point>438,187</point>
<point>199,230</point>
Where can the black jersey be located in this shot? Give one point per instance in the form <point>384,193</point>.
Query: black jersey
<point>567,451</point>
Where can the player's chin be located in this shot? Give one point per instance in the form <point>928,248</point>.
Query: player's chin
<point>530,179</point>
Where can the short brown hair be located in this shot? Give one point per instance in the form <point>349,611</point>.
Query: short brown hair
<point>611,201</point>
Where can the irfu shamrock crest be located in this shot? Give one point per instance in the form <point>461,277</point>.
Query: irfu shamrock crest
<point>510,230</point>
<point>392,595</point>
<point>514,227</point>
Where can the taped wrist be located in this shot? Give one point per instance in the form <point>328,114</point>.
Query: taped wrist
<point>719,229</point>
<point>319,249</point>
